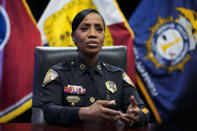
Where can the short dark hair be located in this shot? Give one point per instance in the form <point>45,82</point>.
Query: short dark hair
<point>81,15</point>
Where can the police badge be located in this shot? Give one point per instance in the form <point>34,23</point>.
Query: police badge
<point>111,86</point>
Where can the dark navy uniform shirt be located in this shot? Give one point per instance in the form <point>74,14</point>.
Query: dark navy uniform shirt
<point>71,85</point>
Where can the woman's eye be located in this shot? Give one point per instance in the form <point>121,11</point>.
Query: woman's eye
<point>84,28</point>
<point>100,29</point>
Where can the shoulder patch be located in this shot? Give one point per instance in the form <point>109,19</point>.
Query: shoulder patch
<point>50,75</point>
<point>127,79</point>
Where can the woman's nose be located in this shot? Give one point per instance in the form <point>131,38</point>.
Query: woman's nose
<point>92,32</point>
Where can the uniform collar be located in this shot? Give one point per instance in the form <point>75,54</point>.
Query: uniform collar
<point>82,67</point>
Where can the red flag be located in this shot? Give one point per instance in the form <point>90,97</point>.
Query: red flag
<point>18,61</point>
<point>122,36</point>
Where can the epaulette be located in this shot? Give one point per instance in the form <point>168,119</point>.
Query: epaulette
<point>61,66</point>
<point>111,67</point>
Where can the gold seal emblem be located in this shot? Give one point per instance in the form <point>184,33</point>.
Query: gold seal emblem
<point>172,39</point>
<point>111,86</point>
<point>58,26</point>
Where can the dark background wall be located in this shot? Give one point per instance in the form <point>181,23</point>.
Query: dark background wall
<point>37,7</point>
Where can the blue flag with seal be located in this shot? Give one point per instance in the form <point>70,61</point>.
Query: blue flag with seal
<point>165,51</point>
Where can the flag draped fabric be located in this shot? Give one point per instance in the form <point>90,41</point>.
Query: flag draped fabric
<point>18,38</point>
<point>165,51</point>
<point>55,25</point>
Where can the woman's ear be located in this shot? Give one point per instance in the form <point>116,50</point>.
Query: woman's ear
<point>72,35</point>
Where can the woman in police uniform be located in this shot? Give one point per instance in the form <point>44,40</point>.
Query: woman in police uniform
<point>87,89</point>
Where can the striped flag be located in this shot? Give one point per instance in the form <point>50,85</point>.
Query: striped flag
<point>18,38</point>
<point>55,25</point>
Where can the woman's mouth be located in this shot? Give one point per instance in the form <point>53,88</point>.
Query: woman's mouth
<point>92,44</point>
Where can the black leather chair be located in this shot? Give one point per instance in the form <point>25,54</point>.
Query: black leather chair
<point>45,57</point>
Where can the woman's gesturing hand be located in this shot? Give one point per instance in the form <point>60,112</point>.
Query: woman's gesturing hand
<point>99,112</point>
<point>133,113</point>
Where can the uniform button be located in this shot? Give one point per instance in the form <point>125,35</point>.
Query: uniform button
<point>72,62</point>
<point>72,104</point>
